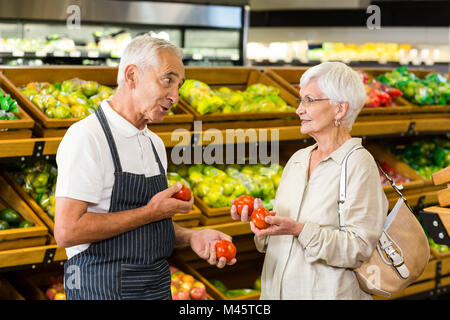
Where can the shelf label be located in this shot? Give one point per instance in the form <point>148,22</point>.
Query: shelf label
<point>93,54</point>
<point>58,54</point>
<point>18,53</point>
<point>75,54</point>
<point>40,53</point>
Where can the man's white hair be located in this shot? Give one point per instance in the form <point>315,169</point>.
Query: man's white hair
<point>339,82</point>
<point>142,51</point>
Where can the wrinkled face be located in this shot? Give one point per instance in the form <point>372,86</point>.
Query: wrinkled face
<point>157,87</point>
<point>316,116</point>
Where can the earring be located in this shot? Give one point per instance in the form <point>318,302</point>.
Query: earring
<point>337,122</point>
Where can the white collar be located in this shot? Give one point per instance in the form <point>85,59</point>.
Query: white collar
<point>122,125</point>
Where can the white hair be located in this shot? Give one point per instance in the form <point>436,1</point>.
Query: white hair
<point>142,51</point>
<point>339,82</point>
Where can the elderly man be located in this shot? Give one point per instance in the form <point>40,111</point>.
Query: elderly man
<point>113,207</point>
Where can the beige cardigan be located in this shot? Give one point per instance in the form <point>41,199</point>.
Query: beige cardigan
<point>318,263</point>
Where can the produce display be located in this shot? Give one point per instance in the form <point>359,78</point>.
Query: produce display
<point>10,219</point>
<point>441,248</point>
<point>256,98</point>
<point>378,94</point>
<point>39,181</point>
<point>232,293</point>
<point>56,289</point>
<point>434,89</point>
<point>396,177</point>
<point>74,98</point>
<point>426,156</point>
<point>8,106</point>
<point>185,287</point>
<point>217,185</point>
<point>226,249</point>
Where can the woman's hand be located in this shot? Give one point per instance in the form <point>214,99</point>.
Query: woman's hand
<point>278,226</point>
<point>244,216</point>
<point>203,243</point>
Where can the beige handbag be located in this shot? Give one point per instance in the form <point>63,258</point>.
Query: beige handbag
<point>402,252</point>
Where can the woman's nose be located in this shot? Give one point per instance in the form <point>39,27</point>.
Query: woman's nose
<point>300,110</point>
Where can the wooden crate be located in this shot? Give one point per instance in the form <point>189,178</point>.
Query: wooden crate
<point>20,237</point>
<point>237,78</point>
<point>289,78</point>
<point>188,220</point>
<point>416,183</point>
<point>19,128</point>
<point>8,291</point>
<point>212,216</point>
<point>43,216</point>
<point>420,73</point>
<point>11,78</point>
<point>248,267</point>
<point>34,283</point>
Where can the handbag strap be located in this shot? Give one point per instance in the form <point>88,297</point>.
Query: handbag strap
<point>343,187</point>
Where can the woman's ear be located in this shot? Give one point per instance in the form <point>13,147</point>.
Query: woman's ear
<point>341,110</point>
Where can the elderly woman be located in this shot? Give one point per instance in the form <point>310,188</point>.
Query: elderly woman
<point>307,255</point>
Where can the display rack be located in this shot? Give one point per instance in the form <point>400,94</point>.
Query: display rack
<point>369,126</point>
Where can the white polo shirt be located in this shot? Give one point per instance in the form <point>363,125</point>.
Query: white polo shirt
<point>85,165</point>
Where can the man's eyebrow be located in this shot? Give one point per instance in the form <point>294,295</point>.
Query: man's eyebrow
<point>171,73</point>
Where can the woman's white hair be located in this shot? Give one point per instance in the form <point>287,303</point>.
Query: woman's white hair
<point>339,82</point>
<point>142,51</point>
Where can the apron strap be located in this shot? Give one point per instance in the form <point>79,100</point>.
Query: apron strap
<point>161,167</point>
<point>112,145</point>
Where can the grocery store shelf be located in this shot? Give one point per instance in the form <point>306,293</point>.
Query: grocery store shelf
<point>32,257</point>
<point>232,228</point>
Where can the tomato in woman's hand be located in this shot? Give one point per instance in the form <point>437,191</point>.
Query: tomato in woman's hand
<point>184,194</point>
<point>258,218</point>
<point>225,248</point>
<point>243,200</point>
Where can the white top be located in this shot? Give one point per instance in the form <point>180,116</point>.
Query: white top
<point>85,165</point>
<point>319,263</point>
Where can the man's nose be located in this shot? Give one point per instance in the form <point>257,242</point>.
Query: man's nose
<point>173,95</point>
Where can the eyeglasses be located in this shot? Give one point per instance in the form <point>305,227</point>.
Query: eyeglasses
<point>307,101</point>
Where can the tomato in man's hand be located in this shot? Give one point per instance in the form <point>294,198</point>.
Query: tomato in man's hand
<point>184,194</point>
<point>243,200</point>
<point>225,248</point>
<point>258,218</point>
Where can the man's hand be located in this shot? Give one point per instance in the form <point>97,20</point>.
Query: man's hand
<point>163,206</point>
<point>203,243</point>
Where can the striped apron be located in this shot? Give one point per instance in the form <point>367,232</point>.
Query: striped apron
<point>131,265</point>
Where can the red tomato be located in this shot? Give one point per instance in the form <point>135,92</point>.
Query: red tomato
<point>184,194</point>
<point>225,248</point>
<point>243,200</point>
<point>258,217</point>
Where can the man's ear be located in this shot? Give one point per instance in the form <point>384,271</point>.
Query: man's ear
<point>131,75</point>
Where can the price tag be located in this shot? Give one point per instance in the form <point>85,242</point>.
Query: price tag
<point>58,54</point>
<point>40,53</point>
<point>18,53</point>
<point>93,54</point>
<point>75,54</point>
